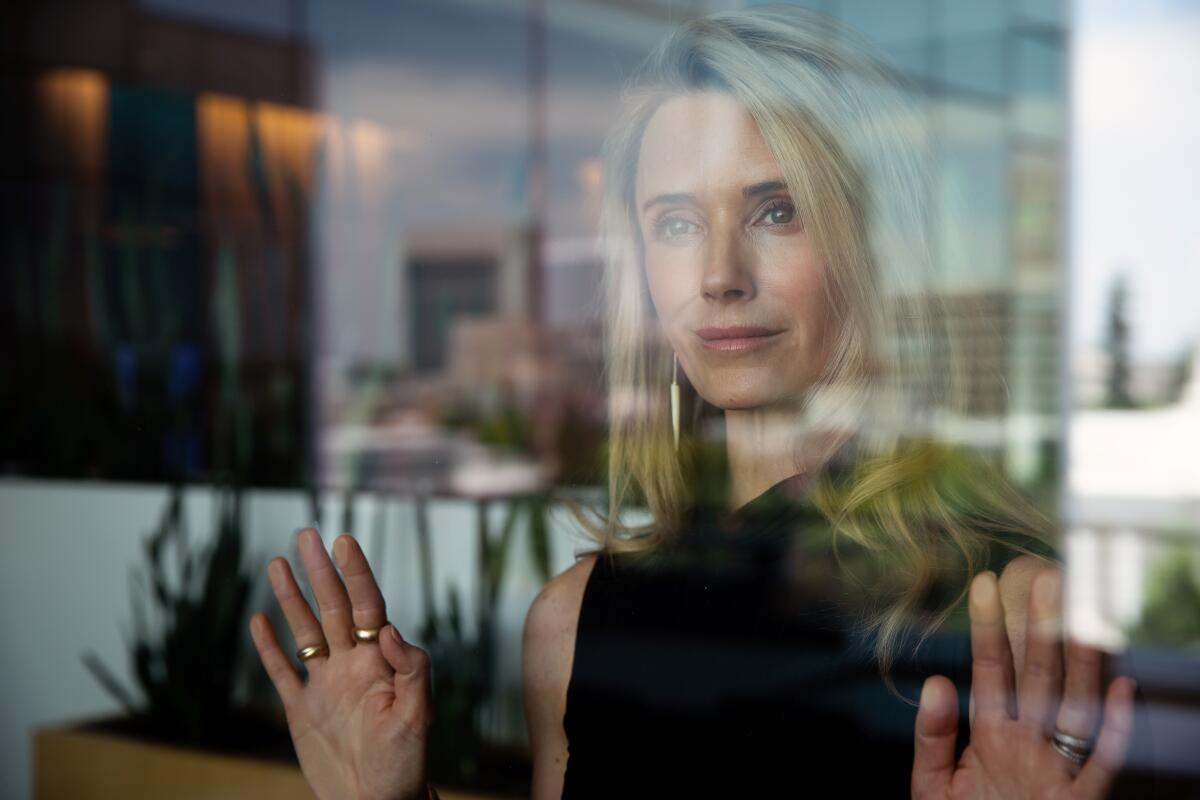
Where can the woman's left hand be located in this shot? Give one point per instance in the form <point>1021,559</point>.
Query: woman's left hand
<point>1011,754</point>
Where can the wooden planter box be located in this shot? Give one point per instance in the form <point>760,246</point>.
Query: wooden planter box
<point>90,761</point>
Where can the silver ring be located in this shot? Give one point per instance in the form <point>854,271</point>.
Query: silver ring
<point>1072,747</point>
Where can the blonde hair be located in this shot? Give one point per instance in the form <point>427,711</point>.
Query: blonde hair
<point>850,149</point>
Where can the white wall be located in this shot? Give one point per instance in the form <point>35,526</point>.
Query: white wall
<point>68,548</point>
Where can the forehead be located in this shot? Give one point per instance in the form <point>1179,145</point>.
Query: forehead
<point>702,141</point>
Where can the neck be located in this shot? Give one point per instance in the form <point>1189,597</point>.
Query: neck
<point>762,451</point>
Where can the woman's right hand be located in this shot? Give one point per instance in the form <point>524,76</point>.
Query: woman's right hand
<point>360,723</point>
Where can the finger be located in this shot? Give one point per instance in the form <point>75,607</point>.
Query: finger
<point>936,730</point>
<point>414,691</point>
<point>306,631</point>
<point>1100,770</point>
<point>991,658</point>
<point>332,600</point>
<point>1079,711</point>
<point>400,655</point>
<point>275,661</point>
<point>1041,683</point>
<point>392,645</point>
<point>366,601</point>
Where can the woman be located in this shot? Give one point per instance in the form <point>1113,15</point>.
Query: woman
<point>763,216</point>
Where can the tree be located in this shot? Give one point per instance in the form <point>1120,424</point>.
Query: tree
<point>1171,611</point>
<point>1116,344</point>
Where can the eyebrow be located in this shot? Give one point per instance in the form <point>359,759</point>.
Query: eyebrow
<point>684,197</point>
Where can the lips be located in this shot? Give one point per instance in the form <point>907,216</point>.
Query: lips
<point>737,332</point>
<point>737,339</point>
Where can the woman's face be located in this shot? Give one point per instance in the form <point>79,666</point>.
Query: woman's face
<point>732,272</point>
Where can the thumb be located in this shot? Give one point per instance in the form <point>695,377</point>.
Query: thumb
<point>936,731</point>
<point>412,708</point>
<point>403,657</point>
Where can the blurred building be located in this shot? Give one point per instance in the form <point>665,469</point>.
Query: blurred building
<point>1134,489</point>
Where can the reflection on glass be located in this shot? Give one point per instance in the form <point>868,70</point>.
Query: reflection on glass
<point>345,258</point>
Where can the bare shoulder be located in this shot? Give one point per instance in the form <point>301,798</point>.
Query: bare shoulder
<point>555,610</point>
<point>548,650</point>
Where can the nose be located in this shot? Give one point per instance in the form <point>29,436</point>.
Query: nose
<point>727,269</point>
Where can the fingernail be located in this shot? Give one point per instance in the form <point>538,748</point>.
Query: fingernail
<point>1046,590</point>
<point>929,695</point>
<point>984,597</point>
<point>1046,612</point>
<point>310,538</point>
<point>396,635</point>
<point>339,551</point>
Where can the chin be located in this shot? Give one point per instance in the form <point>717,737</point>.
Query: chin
<point>741,399</point>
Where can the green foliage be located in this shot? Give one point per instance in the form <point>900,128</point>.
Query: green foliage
<point>463,667</point>
<point>1171,612</point>
<point>501,423</point>
<point>508,429</point>
<point>188,664</point>
<point>459,690</point>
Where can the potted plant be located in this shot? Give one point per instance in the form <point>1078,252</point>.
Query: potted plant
<point>187,730</point>
<point>463,667</point>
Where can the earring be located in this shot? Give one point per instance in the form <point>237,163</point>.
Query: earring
<point>675,399</point>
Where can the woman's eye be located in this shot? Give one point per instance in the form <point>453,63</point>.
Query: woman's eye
<point>672,227</point>
<point>780,213</point>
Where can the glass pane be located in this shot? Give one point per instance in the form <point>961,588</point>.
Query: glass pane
<point>674,367</point>
<point>973,247</point>
<point>901,29</point>
<point>975,46</point>
<point>1039,87</point>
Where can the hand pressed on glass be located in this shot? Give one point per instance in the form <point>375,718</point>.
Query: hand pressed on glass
<point>360,722</point>
<point>1012,751</point>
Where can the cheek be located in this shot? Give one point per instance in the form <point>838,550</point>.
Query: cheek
<point>797,284</point>
<point>668,287</point>
<point>804,295</point>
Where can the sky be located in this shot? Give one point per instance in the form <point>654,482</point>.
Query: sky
<point>1135,170</point>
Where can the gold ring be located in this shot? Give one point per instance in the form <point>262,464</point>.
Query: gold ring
<point>368,634</point>
<point>305,653</point>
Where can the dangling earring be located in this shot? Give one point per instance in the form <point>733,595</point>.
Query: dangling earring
<point>675,399</point>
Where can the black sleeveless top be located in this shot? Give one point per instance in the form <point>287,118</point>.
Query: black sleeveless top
<point>728,665</point>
